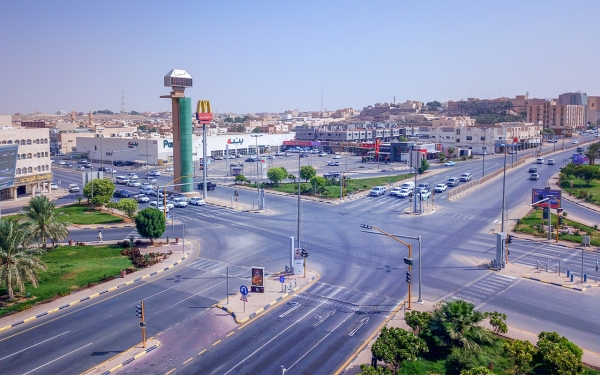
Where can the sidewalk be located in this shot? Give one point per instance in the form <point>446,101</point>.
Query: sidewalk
<point>177,258</point>
<point>24,200</point>
<point>258,303</point>
<point>396,320</point>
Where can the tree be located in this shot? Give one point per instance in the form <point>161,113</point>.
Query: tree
<point>307,172</point>
<point>102,190</point>
<point>276,174</point>
<point>291,177</point>
<point>497,321</point>
<point>451,152</point>
<point>319,184</point>
<point>396,345</point>
<point>480,370</point>
<point>417,320</point>
<point>424,166</point>
<point>592,152</point>
<point>559,355</point>
<point>128,206</point>
<point>240,179</point>
<point>455,324</point>
<point>434,105</point>
<point>402,139</point>
<point>368,370</point>
<point>256,129</point>
<point>18,262</point>
<point>150,223</point>
<point>441,157</point>
<point>521,352</point>
<point>42,221</point>
<point>588,173</point>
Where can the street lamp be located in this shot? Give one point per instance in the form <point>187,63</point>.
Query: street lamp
<point>257,188</point>
<point>483,149</point>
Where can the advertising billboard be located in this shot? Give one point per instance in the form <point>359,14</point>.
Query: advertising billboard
<point>540,194</point>
<point>579,159</point>
<point>8,164</point>
<point>258,280</point>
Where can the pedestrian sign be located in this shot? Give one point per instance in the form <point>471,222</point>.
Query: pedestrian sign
<point>244,298</point>
<point>282,279</point>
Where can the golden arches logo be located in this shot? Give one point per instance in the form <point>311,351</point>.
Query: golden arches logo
<point>203,106</point>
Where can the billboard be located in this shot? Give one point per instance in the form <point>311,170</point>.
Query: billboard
<point>579,159</point>
<point>539,194</point>
<point>8,164</point>
<point>258,280</point>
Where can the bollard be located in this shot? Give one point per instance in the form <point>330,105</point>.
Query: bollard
<point>585,277</point>
<point>571,277</point>
<point>568,273</point>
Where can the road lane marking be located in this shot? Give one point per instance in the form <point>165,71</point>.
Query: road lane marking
<point>188,360</point>
<point>230,333</point>
<point>171,371</point>
<point>273,339</point>
<point>202,352</point>
<point>216,343</point>
<point>56,359</point>
<point>39,343</point>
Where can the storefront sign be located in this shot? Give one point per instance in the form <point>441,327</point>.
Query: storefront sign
<point>167,144</point>
<point>34,178</point>
<point>235,141</point>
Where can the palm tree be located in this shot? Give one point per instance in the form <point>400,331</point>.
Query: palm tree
<point>18,262</point>
<point>42,218</point>
<point>592,152</point>
<point>454,324</point>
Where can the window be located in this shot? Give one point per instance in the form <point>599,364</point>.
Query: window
<point>38,168</point>
<point>47,167</point>
<point>29,142</point>
<point>9,142</point>
<point>457,131</point>
<point>457,140</point>
<point>483,138</point>
<point>22,142</point>
<point>3,142</point>
<point>18,157</point>
<point>18,171</point>
<point>28,156</point>
<point>469,138</point>
<point>23,156</point>
<point>46,154</point>
<point>29,170</point>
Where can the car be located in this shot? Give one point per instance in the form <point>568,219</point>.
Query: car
<point>575,142</point>
<point>128,163</point>
<point>377,191</point>
<point>323,154</point>
<point>337,156</point>
<point>403,193</point>
<point>198,201</point>
<point>394,192</point>
<point>169,169</point>
<point>449,163</point>
<point>159,206</point>
<point>147,191</point>
<point>132,176</point>
<point>512,152</point>
<point>142,198</point>
<point>81,168</point>
<point>466,177</point>
<point>250,160</point>
<point>179,202</point>
<point>218,157</point>
<point>332,174</point>
<point>177,195</point>
<point>170,205</point>
<point>424,186</point>
<point>152,180</point>
<point>551,162</point>
<point>53,186</point>
<point>118,163</point>
<point>270,157</point>
<point>121,194</point>
<point>146,185</point>
<point>134,183</point>
<point>279,153</point>
<point>440,188</point>
<point>156,193</point>
<point>334,163</point>
<point>534,176</point>
<point>82,161</point>
<point>89,165</point>
<point>154,173</point>
<point>209,186</point>
<point>62,162</point>
<point>532,170</point>
<point>452,181</point>
<point>423,194</point>
<point>73,188</point>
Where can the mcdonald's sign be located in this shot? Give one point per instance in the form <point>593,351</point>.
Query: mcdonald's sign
<point>203,112</point>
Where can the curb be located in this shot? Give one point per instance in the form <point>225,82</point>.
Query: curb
<point>568,286</point>
<point>91,296</point>
<point>265,307</point>
<point>114,369</point>
<point>111,227</point>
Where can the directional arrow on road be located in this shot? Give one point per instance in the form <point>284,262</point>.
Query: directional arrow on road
<point>362,323</point>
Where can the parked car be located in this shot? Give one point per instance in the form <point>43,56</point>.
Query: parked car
<point>142,198</point>
<point>532,170</point>
<point>440,188</point>
<point>134,183</point>
<point>198,201</point>
<point>512,152</point>
<point>323,154</point>
<point>334,164</point>
<point>452,181</point>
<point>279,153</point>
<point>551,162</point>
<point>53,186</point>
<point>337,156</point>
<point>534,176</point>
<point>209,186</point>
<point>88,165</point>
<point>121,194</point>
<point>377,191</point>
<point>449,163</point>
<point>332,174</point>
<point>73,188</point>
<point>154,173</point>
<point>118,163</point>
<point>403,193</point>
<point>394,192</point>
<point>250,160</point>
<point>128,163</point>
<point>82,161</point>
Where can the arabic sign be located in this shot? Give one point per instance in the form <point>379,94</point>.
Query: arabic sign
<point>540,194</point>
<point>34,178</point>
<point>8,164</point>
<point>235,141</point>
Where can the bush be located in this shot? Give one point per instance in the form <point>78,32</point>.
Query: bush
<point>461,359</point>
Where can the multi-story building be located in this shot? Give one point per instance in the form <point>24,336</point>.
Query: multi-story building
<point>32,168</point>
<point>561,118</point>
<point>593,110</point>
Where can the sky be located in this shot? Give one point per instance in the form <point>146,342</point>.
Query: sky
<point>272,56</point>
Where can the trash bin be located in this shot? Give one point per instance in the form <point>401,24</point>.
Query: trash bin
<point>70,242</point>
<point>176,239</point>
<point>123,273</point>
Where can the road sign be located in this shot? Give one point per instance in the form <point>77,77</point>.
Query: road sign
<point>244,298</point>
<point>142,324</point>
<point>282,279</point>
<point>244,290</point>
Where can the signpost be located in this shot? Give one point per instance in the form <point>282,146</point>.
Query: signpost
<point>282,281</point>
<point>244,291</point>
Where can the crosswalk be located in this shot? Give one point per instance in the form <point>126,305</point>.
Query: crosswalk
<point>466,217</point>
<point>222,268</point>
<point>551,256</point>
<point>191,213</point>
<point>487,287</point>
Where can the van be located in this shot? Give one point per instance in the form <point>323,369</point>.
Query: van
<point>408,185</point>
<point>466,177</point>
<point>122,180</point>
<point>539,160</point>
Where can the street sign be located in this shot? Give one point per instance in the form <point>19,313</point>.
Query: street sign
<point>244,298</point>
<point>282,279</point>
<point>142,324</point>
<point>244,290</point>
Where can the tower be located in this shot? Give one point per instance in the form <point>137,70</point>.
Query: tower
<point>123,102</point>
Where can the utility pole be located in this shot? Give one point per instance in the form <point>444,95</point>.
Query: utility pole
<point>204,174</point>
<point>298,228</point>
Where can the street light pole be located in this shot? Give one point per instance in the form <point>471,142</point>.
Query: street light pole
<point>483,150</point>
<point>298,228</point>
<point>504,185</point>
<point>257,177</point>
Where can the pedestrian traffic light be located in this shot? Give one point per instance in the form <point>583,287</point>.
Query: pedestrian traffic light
<point>508,238</point>
<point>408,261</point>
<point>139,310</point>
<point>408,277</point>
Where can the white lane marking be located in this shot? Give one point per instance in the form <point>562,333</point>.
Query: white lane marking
<point>505,276</point>
<point>295,304</point>
<point>320,341</point>
<point>56,359</point>
<point>362,323</point>
<point>195,294</point>
<point>39,343</point>
<point>275,337</point>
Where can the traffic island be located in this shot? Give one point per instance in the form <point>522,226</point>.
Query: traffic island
<point>246,307</point>
<point>115,363</point>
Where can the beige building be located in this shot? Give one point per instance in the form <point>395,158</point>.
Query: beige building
<point>453,122</point>
<point>593,110</point>
<point>563,119</point>
<point>33,170</point>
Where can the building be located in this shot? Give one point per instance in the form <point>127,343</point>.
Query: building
<point>32,167</point>
<point>593,110</point>
<point>563,119</point>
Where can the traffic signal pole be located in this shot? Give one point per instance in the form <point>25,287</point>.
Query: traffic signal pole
<point>139,310</point>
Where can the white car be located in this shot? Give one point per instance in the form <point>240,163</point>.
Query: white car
<point>424,194</point>
<point>323,154</point>
<point>394,192</point>
<point>134,183</point>
<point>179,202</point>
<point>62,163</point>
<point>152,180</point>
<point>377,191</point>
<point>575,142</point>
<point>440,188</point>
<point>73,188</point>
<point>53,186</point>
<point>154,173</point>
<point>337,157</point>
<point>198,201</point>
<point>142,198</point>
<point>159,206</point>
<point>403,193</point>
<point>146,185</point>
<point>169,169</point>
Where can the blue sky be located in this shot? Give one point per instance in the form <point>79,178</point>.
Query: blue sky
<point>255,56</point>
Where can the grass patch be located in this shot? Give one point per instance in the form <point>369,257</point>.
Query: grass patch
<point>333,191</point>
<point>534,224</point>
<point>81,214</point>
<point>71,268</point>
<point>590,193</point>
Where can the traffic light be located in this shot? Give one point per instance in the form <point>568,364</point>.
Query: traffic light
<point>408,261</point>
<point>408,277</point>
<point>95,147</point>
<point>508,238</point>
<point>139,310</point>
<point>560,220</point>
<point>236,193</point>
<point>304,253</point>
